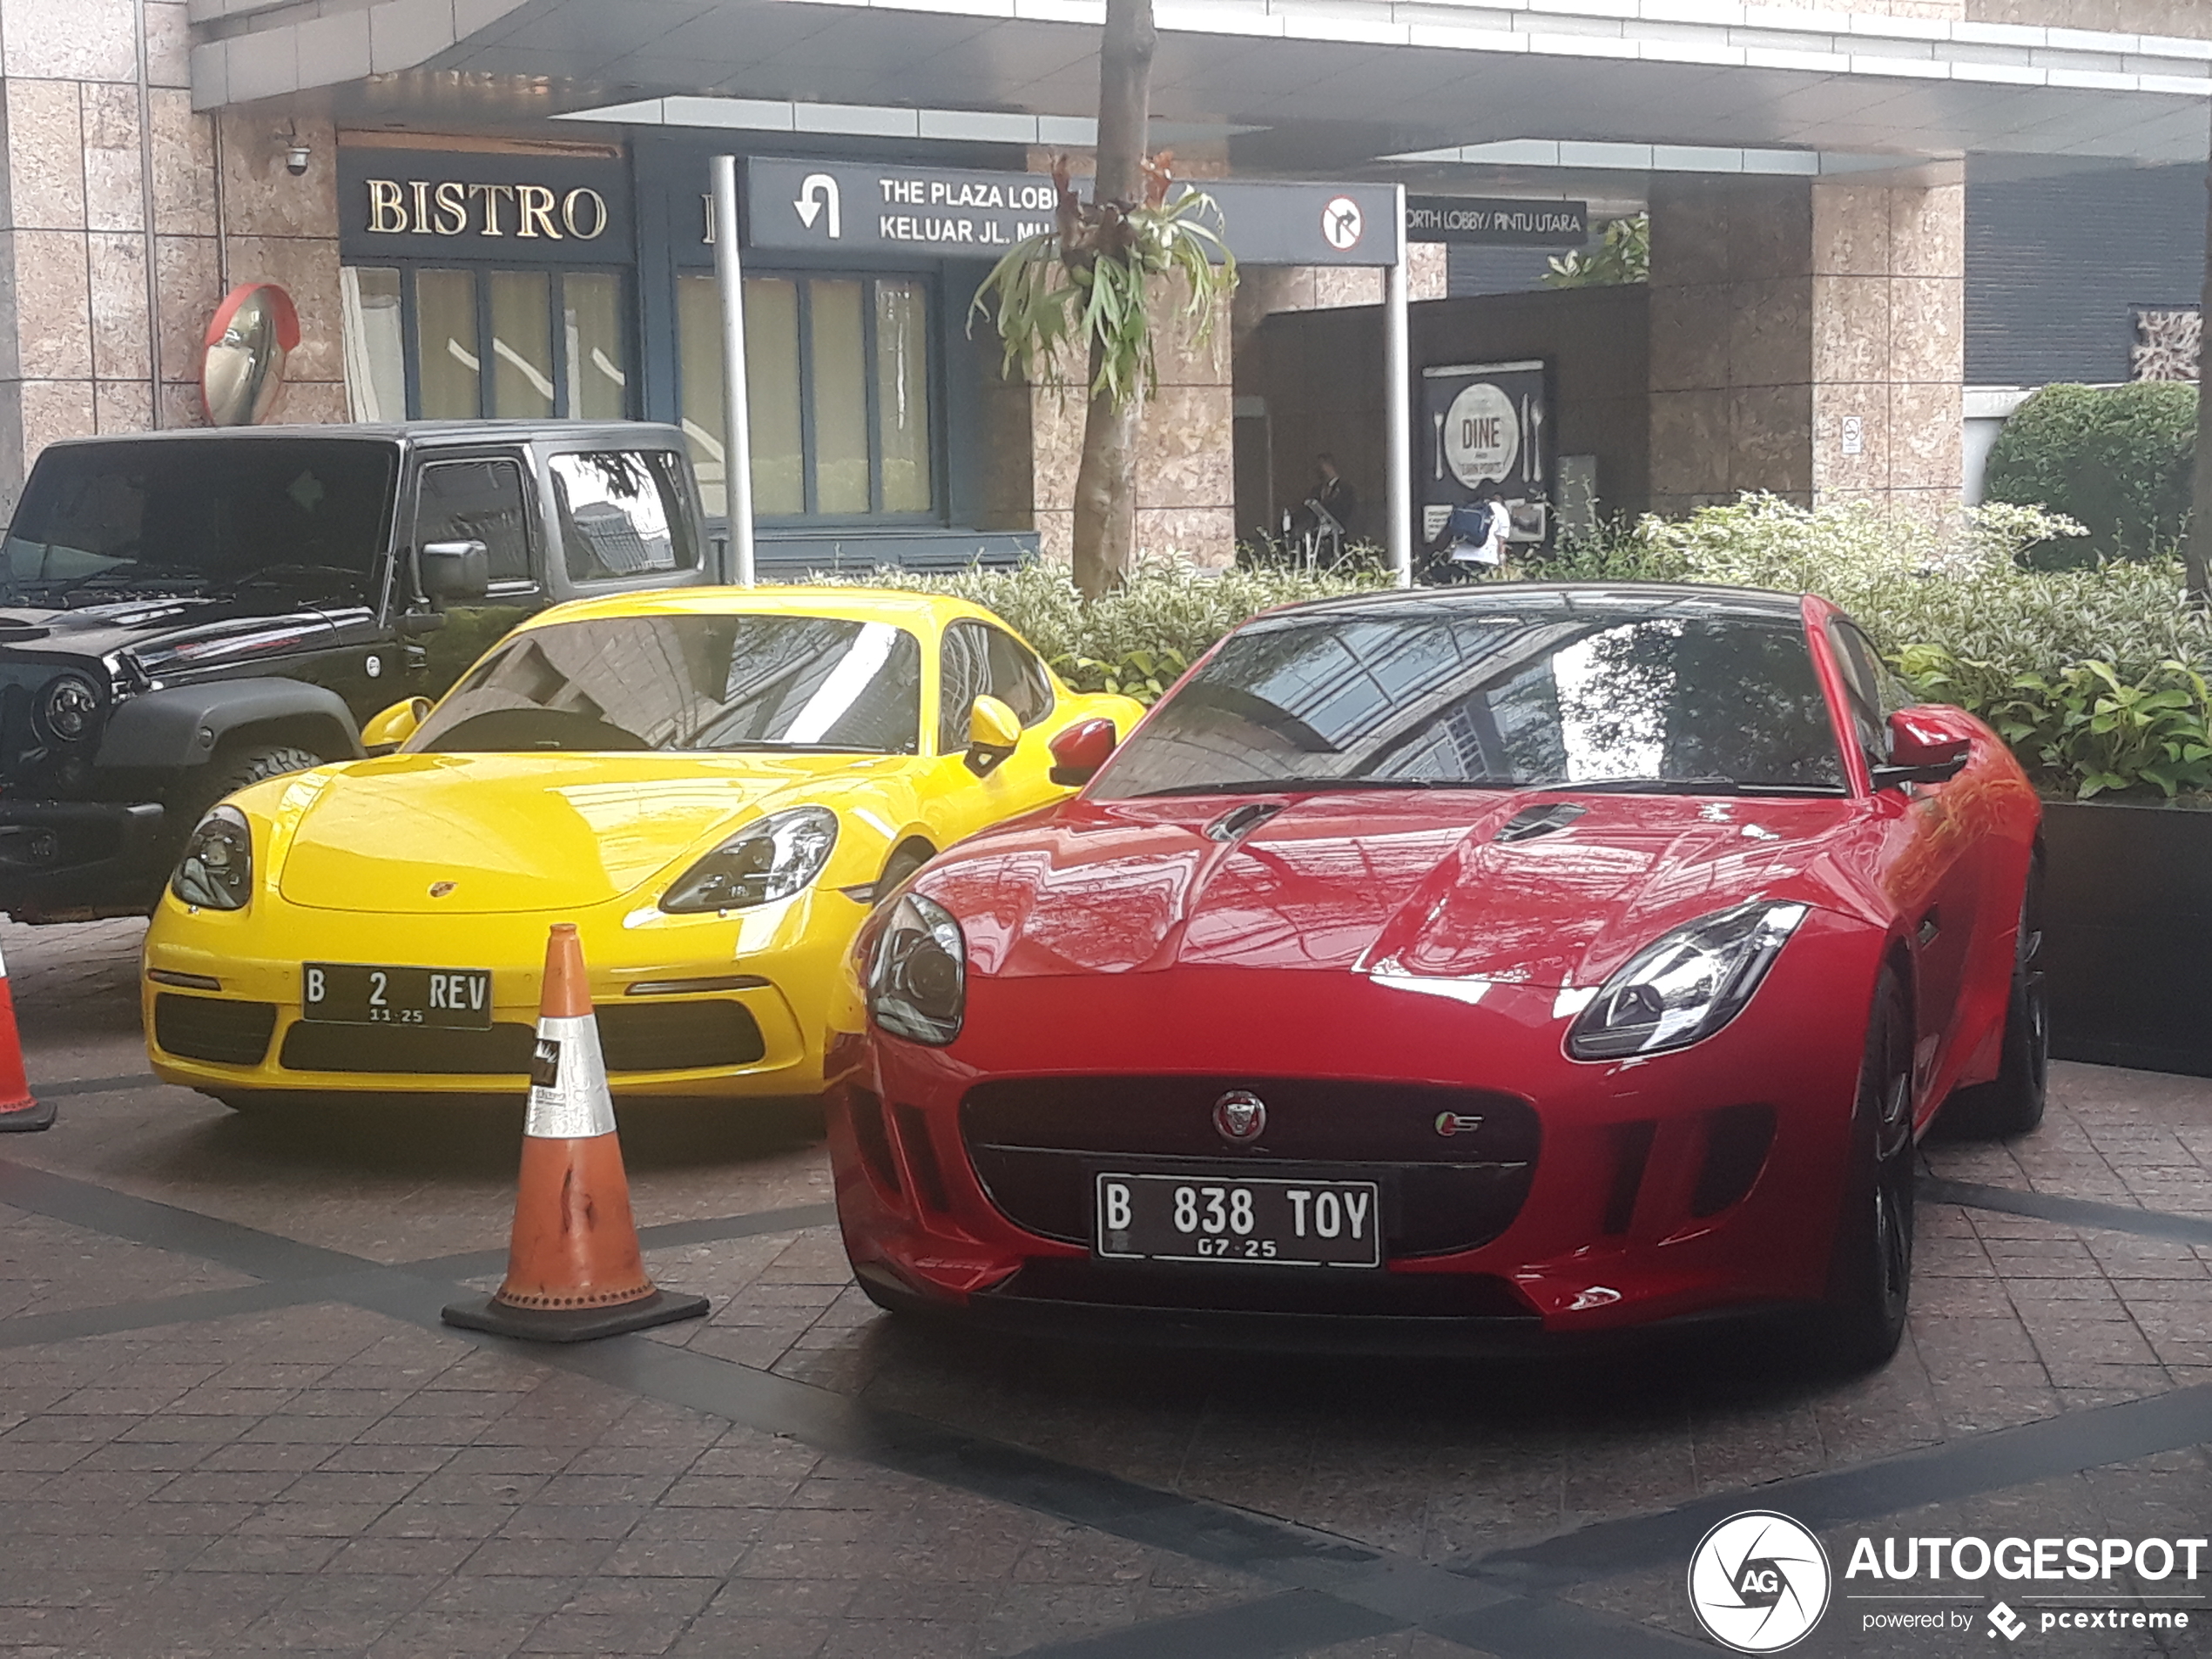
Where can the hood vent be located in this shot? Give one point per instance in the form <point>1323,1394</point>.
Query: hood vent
<point>1239,821</point>
<point>12,628</point>
<point>1526,824</point>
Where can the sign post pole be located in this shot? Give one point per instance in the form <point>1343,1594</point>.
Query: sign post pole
<point>736,423</point>
<point>1397,417</point>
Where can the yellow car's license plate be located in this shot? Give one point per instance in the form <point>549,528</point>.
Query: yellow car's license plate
<point>368,994</point>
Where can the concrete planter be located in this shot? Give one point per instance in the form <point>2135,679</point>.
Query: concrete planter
<point>2127,934</point>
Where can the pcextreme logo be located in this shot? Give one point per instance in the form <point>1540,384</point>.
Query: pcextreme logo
<point>1759,1582</point>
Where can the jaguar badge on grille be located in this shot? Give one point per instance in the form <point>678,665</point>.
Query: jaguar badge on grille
<point>1240,1118</point>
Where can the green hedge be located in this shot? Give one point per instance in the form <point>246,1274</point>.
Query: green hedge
<point>2116,458</point>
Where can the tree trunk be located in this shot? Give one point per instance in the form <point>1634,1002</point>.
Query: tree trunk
<point>2196,547</point>
<point>1105,527</point>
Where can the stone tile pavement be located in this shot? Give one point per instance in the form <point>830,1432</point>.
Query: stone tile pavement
<point>229,1422</point>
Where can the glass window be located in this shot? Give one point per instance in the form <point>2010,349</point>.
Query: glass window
<point>979,660</point>
<point>477,501</point>
<point>374,339</point>
<point>184,516</point>
<point>1873,692</point>
<point>591,316</point>
<point>837,387</point>
<point>1413,694</point>
<point>521,346</point>
<point>902,394</point>
<point>448,363</point>
<point>818,685</point>
<point>622,513</point>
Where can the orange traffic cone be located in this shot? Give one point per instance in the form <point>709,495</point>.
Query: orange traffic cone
<point>18,1110</point>
<point>573,1269</point>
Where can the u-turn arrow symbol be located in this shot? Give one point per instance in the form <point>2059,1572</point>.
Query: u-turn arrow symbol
<point>816,192</point>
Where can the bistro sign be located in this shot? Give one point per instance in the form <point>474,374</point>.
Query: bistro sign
<point>414,204</point>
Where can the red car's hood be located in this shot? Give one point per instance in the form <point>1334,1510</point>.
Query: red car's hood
<point>1411,883</point>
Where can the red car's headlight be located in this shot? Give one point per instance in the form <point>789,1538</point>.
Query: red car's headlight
<point>1685,987</point>
<point>918,972</point>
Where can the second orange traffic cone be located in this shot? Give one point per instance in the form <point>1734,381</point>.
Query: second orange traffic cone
<point>573,1268</point>
<point>18,1109</point>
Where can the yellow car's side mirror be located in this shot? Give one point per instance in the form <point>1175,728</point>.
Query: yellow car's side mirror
<point>396,726</point>
<point>993,730</point>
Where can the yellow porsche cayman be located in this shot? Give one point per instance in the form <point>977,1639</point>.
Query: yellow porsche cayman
<point>714,785</point>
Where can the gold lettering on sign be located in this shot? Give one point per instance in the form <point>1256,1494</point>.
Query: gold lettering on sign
<point>453,208</point>
<point>387,207</point>
<point>573,219</point>
<point>422,189</point>
<point>533,212</point>
<point>491,194</point>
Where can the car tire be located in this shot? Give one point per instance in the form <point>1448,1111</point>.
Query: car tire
<point>1870,1280</point>
<point>232,770</point>
<point>903,863</point>
<point>2012,1103</point>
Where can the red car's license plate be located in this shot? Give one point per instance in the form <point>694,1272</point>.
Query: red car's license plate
<point>371,993</point>
<point>1282,1223</point>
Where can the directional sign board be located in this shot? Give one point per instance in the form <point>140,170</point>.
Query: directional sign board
<point>859,208</point>
<point>1496,219</point>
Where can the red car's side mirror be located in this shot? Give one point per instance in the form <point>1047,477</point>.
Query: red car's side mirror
<point>1925,748</point>
<point>1078,753</point>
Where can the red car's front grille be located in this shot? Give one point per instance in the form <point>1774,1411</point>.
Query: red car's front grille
<point>1454,1166</point>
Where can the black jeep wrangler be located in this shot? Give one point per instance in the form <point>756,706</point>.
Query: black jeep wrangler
<point>184,613</point>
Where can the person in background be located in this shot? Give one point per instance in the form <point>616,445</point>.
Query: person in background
<point>1332,503</point>
<point>1474,535</point>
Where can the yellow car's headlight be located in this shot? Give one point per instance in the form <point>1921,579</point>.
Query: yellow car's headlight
<point>770,858</point>
<point>217,869</point>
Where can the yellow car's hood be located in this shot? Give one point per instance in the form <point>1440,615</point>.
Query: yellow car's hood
<point>512,832</point>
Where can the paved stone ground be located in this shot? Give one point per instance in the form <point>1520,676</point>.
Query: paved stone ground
<point>231,1423</point>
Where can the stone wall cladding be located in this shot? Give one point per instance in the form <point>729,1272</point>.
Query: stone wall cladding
<point>118,230</point>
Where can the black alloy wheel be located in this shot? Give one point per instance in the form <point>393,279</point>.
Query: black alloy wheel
<point>2013,1103</point>
<point>1870,1281</point>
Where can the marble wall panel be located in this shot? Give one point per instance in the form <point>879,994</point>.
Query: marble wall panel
<point>1928,231</point>
<point>1928,329</point>
<point>306,268</point>
<point>53,337</point>
<point>1056,537</point>
<point>168,45</point>
<point>1427,271</point>
<point>114,168</point>
<point>1769,331</point>
<point>116,267</point>
<point>1690,444</point>
<point>1770,439</point>
<point>1928,433</point>
<point>260,194</point>
<point>180,405</point>
<point>183,166</point>
<point>122,406</point>
<point>1851,229</point>
<point>1690,223</point>
<point>1353,285</point>
<point>1769,229</point>
<point>1690,330</point>
<point>1849,328</point>
<point>1185,450</point>
<point>1055,447</point>
<point>54,409</point>
<point>1184,358</point>
<point>1205,535</point>
<point>311,402</point>
<point>84,40</point>
<point>45,155</point>
<point>10,361</point>
<point>188,277</point>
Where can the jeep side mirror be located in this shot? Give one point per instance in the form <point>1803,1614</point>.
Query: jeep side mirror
<point>1079,751</point>
<point>993,731</point>
<point>453,573</point>
<point>1925,748</point>
<point>394,725</point>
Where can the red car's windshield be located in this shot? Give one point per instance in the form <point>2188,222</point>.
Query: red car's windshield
<point>1413,694</point>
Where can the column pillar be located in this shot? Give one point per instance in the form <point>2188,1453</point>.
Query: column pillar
<point>1806,339</point>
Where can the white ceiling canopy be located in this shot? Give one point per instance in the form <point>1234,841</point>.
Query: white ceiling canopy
<point>1311,82</point>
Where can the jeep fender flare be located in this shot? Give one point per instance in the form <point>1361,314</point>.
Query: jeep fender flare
<point>184,726</point>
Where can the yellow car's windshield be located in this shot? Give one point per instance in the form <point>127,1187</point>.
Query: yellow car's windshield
<point>810,685</point>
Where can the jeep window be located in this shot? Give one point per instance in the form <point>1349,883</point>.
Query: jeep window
<point>817,685</point>
<point>622,513</point>
<point>305,518</point>
<point>477,501</point>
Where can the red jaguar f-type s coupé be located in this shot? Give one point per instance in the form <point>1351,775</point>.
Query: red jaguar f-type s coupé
<point>1502,958</point>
